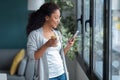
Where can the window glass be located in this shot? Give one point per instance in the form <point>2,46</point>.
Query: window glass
<point>87,32</point>
<point>79,25</point>
<point>115,45</point>
<point>98,38</point>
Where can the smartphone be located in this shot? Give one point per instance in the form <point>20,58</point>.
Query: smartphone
<point>75,35</point>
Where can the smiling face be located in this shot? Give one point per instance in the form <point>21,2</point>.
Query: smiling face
<point>54,19</point>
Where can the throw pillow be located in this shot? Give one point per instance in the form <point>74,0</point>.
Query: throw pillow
<point>22,67</point>
<point>16,61</point>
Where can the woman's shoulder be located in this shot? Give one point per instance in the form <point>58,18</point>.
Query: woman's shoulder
<point>36,32</point>
<point>39,30</point>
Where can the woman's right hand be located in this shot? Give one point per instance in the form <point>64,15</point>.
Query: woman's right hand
<point>51,42</point>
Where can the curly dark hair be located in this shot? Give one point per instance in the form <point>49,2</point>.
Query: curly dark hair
<point>37,18</point>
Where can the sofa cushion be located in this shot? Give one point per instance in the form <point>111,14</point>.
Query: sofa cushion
<point>4,71</point>
<point>6,58</point>
<point>15,77</point>
<point>22,67</point>
<point>16,61</point>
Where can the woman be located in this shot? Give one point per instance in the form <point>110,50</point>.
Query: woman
<point>44,47</point>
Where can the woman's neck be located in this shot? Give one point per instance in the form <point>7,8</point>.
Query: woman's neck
<point>48,31</point>
<point>47,28</point>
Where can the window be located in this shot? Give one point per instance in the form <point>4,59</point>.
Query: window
<point>115,45</point>
<point>79,25</point>
<point>87,32</point>
<point>98,38</point>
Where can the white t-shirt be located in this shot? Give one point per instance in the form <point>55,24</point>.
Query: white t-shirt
<point>55,63</point>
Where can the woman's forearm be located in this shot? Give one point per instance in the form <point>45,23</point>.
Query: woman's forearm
<point>69,44</point>
<point>39,53</point>
<point>66,49</point>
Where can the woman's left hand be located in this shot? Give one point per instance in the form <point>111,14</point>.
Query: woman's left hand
<point>71,42</point>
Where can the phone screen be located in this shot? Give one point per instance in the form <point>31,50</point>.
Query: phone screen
<point>76,33</point>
